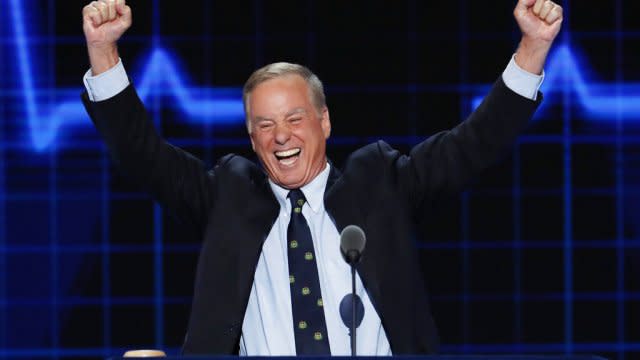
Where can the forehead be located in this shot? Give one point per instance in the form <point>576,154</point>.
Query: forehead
<point>287,88</point>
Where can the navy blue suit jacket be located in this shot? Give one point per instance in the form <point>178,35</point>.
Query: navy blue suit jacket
<point>379,189</point>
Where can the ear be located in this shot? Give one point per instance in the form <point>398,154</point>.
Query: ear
<point>253,145</point>
<point>250,132</point>
<point>325,122</point>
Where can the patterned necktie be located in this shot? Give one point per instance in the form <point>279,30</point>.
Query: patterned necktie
<point>309,325</point>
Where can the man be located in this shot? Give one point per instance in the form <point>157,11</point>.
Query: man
<point>270,276</point>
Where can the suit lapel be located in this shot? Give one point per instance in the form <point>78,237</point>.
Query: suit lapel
<point>265,211</point>
<point>261,215</point>
<point>344,204</point>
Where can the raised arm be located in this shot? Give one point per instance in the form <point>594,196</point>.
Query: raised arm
<point>448,161</point>
<point>103,23</point>
<point>176,179</point>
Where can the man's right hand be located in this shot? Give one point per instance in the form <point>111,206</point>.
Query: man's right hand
<point>104,22</point>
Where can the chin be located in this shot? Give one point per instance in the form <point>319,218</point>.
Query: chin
<point>291,184</point>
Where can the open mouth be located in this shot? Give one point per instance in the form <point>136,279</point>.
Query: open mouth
<point>288,157</point>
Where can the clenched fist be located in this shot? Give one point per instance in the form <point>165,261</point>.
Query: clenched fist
<point>103,23</point>
<point>539,22</point>
<point>539,19</point>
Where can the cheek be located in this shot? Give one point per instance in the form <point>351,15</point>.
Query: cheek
<point>317,140</point>
<point>260,143</point>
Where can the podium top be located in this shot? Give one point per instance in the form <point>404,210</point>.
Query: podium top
<point>401,357</point>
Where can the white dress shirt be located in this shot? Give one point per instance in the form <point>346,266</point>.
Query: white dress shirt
<point>267,328</point>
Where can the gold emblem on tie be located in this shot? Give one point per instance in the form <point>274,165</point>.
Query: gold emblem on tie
<point>293,244</point>
<point>297,210</point>
<point>292,279</point>
<point>308,255</point>
<point>306,291</point>
<point>320,303</point>
<point>300,202</point>
<point>302,325</point>
<point>317,335</point>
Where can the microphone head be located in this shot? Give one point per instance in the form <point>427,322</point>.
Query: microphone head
<point>352,242</point>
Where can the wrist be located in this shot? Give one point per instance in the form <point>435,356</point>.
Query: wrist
<point>102,58</point>
<point>532,54</point>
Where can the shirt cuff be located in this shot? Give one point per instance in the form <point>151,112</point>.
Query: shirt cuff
<point>521,81</point>
<point>106,85</point>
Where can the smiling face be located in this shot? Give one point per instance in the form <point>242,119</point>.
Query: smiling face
<point>288,132</point>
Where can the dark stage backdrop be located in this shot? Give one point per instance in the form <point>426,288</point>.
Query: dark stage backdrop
<point>541,255</point>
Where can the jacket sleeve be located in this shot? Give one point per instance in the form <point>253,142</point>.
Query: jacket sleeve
<point>447,161</point>
<point>175,178</point>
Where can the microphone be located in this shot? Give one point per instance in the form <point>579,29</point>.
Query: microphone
<point>352,241</point>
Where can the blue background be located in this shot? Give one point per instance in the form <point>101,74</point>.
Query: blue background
<point>541,255</point>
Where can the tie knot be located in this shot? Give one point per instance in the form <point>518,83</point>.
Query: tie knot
<point>297,200</point>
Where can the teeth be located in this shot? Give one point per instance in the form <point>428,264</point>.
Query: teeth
<point>287,152</point>
<point>288,161</point>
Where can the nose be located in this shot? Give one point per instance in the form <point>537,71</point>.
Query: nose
<point>282,134</point>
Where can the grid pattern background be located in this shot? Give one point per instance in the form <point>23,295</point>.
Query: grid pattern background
<point>541,255</point>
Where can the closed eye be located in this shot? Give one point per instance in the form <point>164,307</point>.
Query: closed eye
<point>265,125</point>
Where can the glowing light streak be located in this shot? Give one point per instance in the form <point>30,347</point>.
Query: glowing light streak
<point>599,101</point>
<point>160,76</point>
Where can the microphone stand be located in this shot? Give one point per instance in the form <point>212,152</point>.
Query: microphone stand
<point>353,257</point>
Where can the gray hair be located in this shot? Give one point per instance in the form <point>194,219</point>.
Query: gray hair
<point>280,69</point>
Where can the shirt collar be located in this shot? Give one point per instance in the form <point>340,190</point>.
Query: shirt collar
<point>313,191</point>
